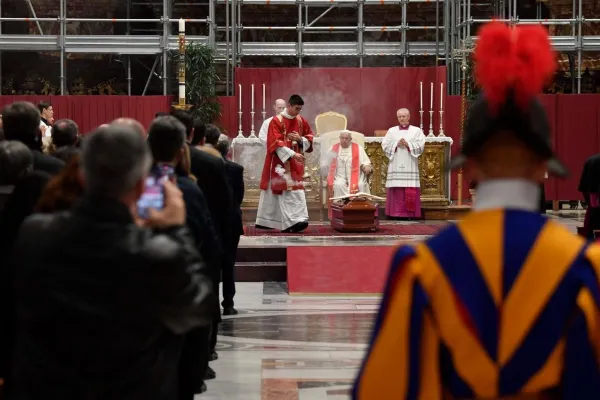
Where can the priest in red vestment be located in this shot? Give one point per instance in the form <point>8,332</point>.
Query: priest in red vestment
<point>282,203</point>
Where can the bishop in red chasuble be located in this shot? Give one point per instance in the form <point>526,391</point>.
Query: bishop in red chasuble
<point>282,203</point>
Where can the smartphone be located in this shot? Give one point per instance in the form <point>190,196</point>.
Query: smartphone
<point>154,194</point>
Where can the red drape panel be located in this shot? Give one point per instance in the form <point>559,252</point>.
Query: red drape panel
<point>229,116</point>
<point>91,111</point>
<point>577,137</point>
<point>368,97</point>
<point>549,102</point>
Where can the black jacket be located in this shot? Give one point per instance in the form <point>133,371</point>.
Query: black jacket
<point>236,179</point>
<point>211,173</point>
<point>200,224</point>
<point>100,304</point>
<point>47,164</point>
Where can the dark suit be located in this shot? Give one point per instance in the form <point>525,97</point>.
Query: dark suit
<point>47,164</point>
<point>18,206</point>
<point>196,349</point>
<point>235,173</point>
<point>211,175</point>
<point>103,304</point>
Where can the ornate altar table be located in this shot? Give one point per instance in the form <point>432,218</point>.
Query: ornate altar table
<point>435,181</point>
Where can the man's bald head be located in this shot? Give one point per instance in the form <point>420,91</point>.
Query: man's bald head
<point>279,106</point>
<point>132,123</point>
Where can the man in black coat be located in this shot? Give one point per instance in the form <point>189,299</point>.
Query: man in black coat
<point>235,173</point>
<point>211,175</point>
<point>102,302</point>
<point>22,123</point>
<point>166,137</point>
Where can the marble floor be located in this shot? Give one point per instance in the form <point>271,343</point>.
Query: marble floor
<point>298,348</point>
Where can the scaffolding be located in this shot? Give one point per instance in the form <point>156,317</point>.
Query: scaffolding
<point>454,27</point>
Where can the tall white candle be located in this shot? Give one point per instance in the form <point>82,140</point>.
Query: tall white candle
<point>182,91</point>
<point>181,25</point>
<point>431,97</point>
<point>252,97</point>
<point>421,95</point>
<point>264,97</point>
<point>240,98</point>
<point>441,97</point>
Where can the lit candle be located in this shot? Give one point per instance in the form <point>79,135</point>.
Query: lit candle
<point>252,97</point>
<point>421,95</point>
<point>264,97</point>
<point>431,97</point>
<point>240,98</point>
<point>441,97</point>
<point>181,25</point>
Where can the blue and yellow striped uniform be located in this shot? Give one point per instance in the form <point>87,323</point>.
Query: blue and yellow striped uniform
<point>504,303</point>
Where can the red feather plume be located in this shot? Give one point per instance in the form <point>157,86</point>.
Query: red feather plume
<point>520,59</point>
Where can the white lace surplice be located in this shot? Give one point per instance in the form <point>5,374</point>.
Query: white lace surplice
<point>403,169</point>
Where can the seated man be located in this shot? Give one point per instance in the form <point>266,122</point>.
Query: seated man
<point>349,169</point>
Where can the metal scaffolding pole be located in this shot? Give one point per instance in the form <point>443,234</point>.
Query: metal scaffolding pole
<point>299,27</point>
<point>165,44</point>
<point>227,44</point>
<point>437,33</point>
<point>233,42</point>
<point>1,82</point>
<point>404,23</point>
<point>452,39</point>
<point>150,75</point>
<point>211,24</point>
<point>63,34</point>
<point>361,29</point>
<point>128,56</point>
<point>579,45</point>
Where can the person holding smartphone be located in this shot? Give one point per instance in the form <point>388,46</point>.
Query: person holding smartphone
<point>98,282</point>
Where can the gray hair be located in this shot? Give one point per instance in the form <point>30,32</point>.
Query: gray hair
<point>346,132</point>
<point>113,160</point>
<point>223,145</point>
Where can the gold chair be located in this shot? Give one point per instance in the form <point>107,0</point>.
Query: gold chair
<point>330,121</point>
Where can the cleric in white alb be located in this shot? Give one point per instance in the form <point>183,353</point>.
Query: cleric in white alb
<point>278,108</point>
<point>403,144</point>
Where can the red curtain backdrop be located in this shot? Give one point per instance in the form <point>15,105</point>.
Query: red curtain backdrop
<point>369,97</point>
<point>91,111</point>
<point>575,128</point>
<point>372,98</point>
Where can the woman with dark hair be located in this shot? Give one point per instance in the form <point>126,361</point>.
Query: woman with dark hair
<point>63,191</point>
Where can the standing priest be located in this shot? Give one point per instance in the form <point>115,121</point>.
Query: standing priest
<point>278,108</point>
<point>282,203</point>
<point>403,144</point>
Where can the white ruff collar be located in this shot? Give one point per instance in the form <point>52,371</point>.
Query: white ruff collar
<point>508,193</point>
<point>286,115</point>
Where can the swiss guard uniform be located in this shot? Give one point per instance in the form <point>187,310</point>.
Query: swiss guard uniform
<point>505,303</point>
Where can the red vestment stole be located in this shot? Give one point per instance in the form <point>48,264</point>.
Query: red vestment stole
<point>277,137</point>
<point>354,172</point>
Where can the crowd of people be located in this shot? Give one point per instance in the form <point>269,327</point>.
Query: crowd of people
<point>98,301</point>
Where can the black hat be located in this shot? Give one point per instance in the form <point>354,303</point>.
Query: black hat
<point>530,126</point>
<point>511,66</point>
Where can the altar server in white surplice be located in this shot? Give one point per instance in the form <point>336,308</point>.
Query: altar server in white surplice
<point>403,144</point>
<point>349,169</point>
<point>278,108</point>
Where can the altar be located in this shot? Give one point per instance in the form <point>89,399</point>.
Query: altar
<point>435,179</point>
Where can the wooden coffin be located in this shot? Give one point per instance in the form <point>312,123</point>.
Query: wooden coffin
<point>355,216</point>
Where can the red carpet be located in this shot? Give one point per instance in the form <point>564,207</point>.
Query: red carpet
<point>327,230</point>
